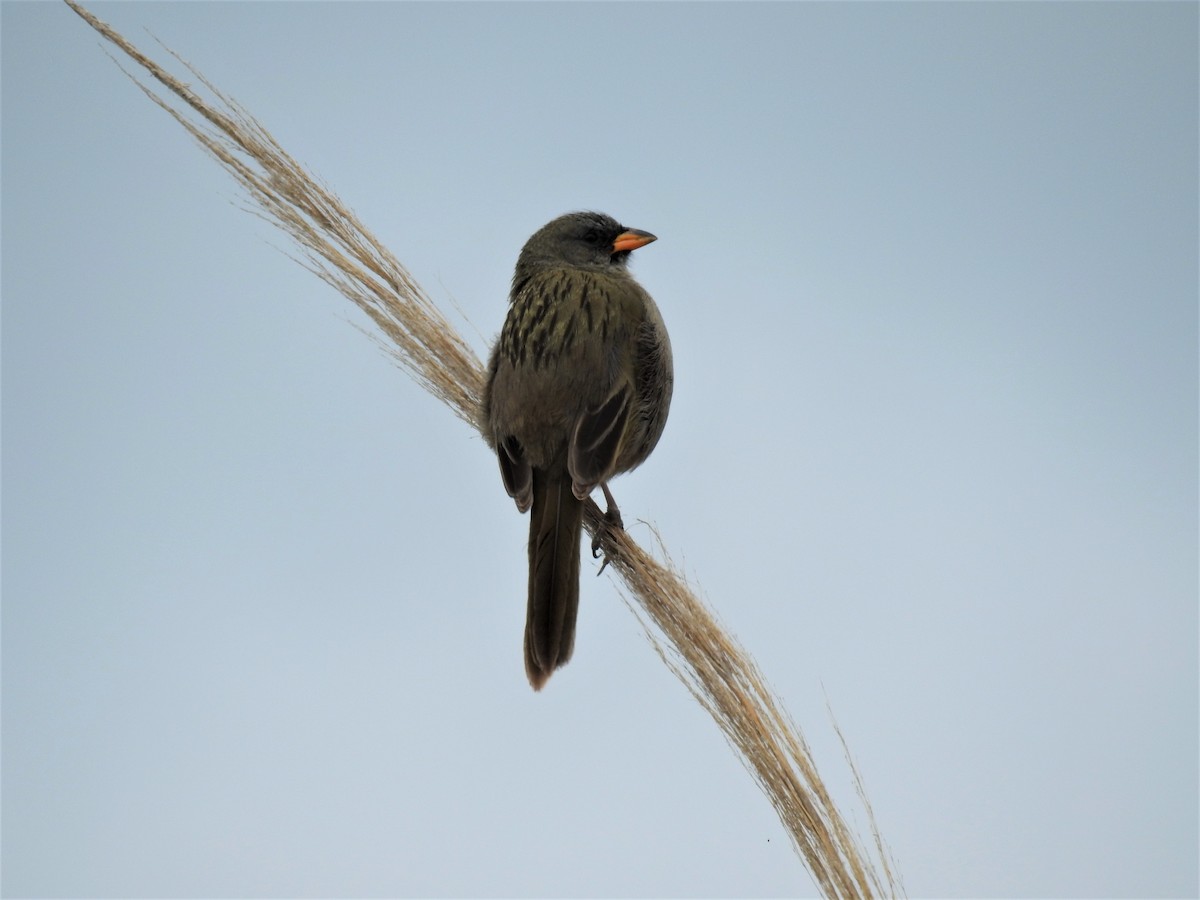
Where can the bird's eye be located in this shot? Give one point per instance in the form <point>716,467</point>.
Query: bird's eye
<point>592,237</point>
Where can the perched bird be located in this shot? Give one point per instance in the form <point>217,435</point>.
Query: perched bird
<point>579,384</point>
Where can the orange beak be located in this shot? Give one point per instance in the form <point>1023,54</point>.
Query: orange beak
<point>631,240</point>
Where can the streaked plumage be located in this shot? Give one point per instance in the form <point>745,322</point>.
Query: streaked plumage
<point>579,385</point>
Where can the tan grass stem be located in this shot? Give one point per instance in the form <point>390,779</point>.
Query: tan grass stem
<point>723,678</point>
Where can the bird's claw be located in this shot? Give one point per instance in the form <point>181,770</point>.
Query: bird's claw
<point>612,522</point>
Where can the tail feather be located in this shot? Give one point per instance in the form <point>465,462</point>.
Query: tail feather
<point>555,525</point>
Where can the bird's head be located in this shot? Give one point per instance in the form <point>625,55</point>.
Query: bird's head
<point>585,240</point>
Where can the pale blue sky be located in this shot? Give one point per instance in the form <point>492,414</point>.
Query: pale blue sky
<point>930,272</point>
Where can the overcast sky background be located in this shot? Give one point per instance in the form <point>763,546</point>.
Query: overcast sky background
<point>930,272</point>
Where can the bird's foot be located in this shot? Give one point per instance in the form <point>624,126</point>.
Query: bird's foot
<point>612,522</point>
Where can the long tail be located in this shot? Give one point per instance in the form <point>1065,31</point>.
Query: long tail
<point>555,523</point>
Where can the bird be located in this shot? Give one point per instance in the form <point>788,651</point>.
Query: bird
<point>578,388</point>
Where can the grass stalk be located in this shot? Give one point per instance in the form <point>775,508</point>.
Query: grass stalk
<point>720,675</point>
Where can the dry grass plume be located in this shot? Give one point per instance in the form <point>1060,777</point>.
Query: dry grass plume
<point>722,677</point>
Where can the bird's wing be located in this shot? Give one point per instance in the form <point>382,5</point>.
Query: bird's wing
<point>596,441</point>
<point>515,471</point>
